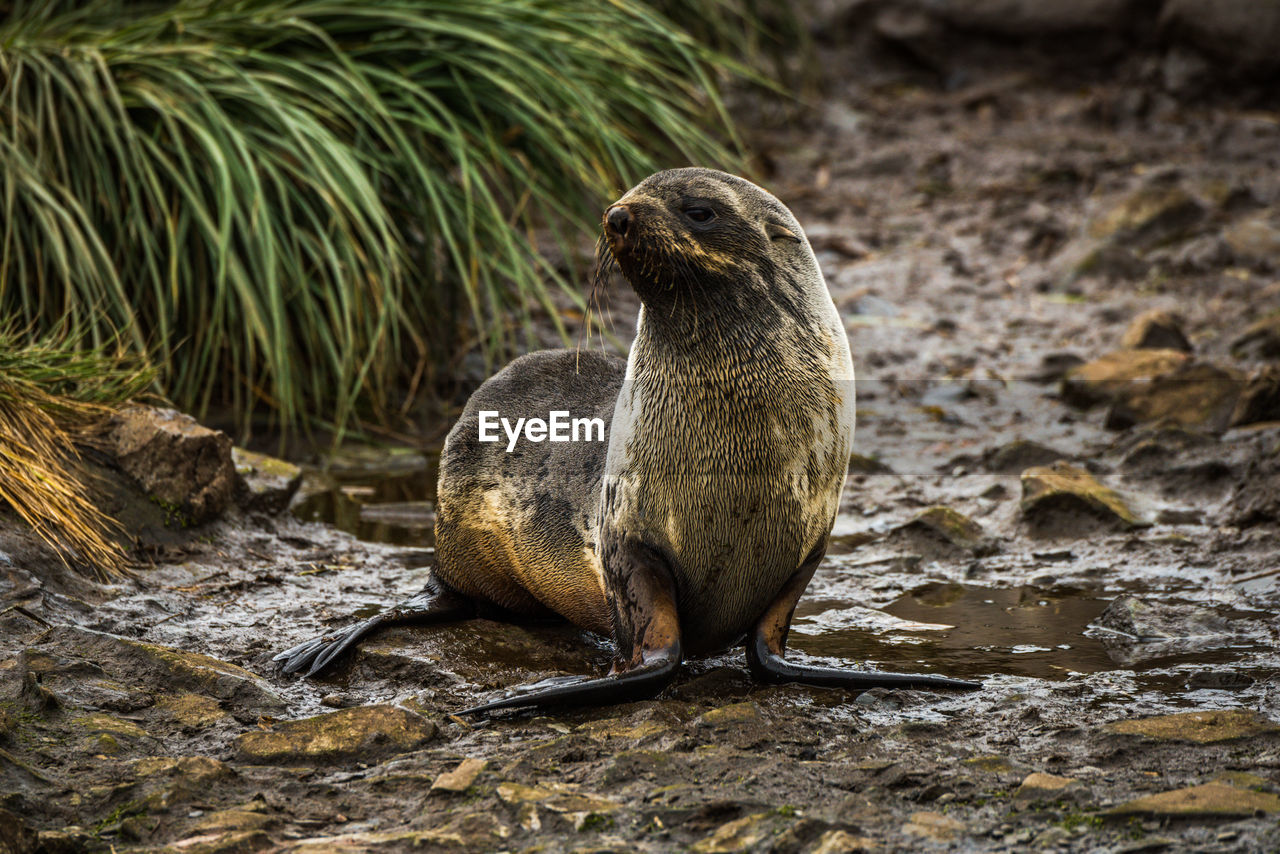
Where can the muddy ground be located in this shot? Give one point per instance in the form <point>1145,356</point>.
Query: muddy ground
<point>1111,572</point>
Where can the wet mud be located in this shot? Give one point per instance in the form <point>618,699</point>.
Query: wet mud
<point>1114,581</point>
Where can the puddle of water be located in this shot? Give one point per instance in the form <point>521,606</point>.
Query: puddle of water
<point>387,498</point>
<point>968,631</point>
<point>1020,631</point>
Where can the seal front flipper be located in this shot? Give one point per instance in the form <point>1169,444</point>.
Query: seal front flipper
<point>767,642</point>
<point>647,629</point>
<point>434,604</point>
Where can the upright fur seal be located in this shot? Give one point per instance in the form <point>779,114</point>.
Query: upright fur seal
<point>729,432</point>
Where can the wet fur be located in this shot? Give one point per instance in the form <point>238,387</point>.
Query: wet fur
<point>728,437</point>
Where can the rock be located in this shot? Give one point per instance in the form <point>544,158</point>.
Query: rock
<point>1115,242</point>
<point>1156,330</point>
<point>739,835</point>
<point>1259,398</point>
<point>1203,254</point>
<point>738,724</point>
<point>1019,455</point>
<point>1207,727</point>
<point>859,464</point>
<point>199,771</point>
<point>934,826</point>
<point>737,714</point>
<point>236,842</point>
<point>460,778</point>
<point>1040,787</point>
<point>842,842</point>
<point>1151,215</point>
<point>919,32</point>
<point>264,484</point>
<point>193,710</point>
<point>1185,72</point>
<point>1065,499</point>
<point>1219,680</point>
<point>1210,800</point>
<point>941,530</point>
<point>1261,340</point>
<point>1035,18</point>
<point>1243,34</point>
<point>234,819</point>
<point>993,763</point>
<point>183,466</point>
<point>391,842</point>
<point>557,797</point>
<point>631,731</point>
<point>16,837</point>
<point>1255,241</point>
<point>1104,378</point>
<point>172,669</point>
<point>1191,395</point>
<point>1133,630</point>
<point>1053,367</point>
<point>107,732</point>
<point>1243,780</point>
<point>360,733</point>
<point>1158,621</point>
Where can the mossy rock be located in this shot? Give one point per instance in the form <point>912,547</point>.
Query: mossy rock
<point>1211,800</point>
<point>1104,379</point>
<point>193,710</point>
<point>1192,395</point>
<point>940,530</point>
<point>173,670</point>
<point>1063,499</point>
<point>1205,727</point>
<point>360,733</point>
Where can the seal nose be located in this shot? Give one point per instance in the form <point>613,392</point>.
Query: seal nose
<point>619,219</point>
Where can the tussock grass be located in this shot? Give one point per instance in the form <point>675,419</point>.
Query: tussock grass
<point>300,206</point>
<point>51,396</point>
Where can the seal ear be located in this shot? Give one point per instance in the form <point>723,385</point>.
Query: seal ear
<point>777,231</point>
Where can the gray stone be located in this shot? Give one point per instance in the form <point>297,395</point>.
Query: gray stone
<point>1156,329</point>
<point>264,483</point>
<point>1194,394</point>
<point>1259,398</point>
<point>1243,34</point>
<point>1255,240</point>
<point>359,733</point>
<point>1261,340</point>
<point>183,466</point>
<point>1036,17</point>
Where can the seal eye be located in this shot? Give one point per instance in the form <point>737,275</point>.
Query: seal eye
<point>700,214</point>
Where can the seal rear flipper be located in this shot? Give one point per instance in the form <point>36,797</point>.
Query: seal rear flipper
<point>638,683</point>
<point>767,643</point>
<point>647,629</point>
<point>434,604</point>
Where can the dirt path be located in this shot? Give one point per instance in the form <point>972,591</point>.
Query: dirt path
<point>980,242</point>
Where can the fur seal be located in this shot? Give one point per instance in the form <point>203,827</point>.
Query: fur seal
<point>702,519</point>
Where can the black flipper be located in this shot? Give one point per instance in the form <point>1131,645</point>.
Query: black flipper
<point>434,604</point>
<point>767,643</point>
<point>638,683</point>
<point>769,666</point>
<point>646,629</point>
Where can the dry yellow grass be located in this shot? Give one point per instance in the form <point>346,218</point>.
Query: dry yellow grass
<point>52,396</point>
